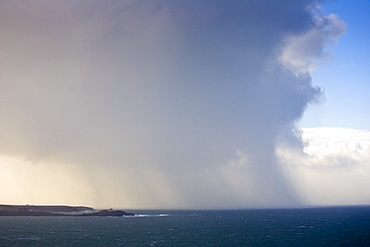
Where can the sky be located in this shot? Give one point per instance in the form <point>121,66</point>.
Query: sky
<point>184,104</point>
<point>344,75</point>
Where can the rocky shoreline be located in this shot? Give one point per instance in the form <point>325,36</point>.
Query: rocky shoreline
<point>31,210</point>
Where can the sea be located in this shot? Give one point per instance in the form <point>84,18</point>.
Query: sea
<point>327,226</point>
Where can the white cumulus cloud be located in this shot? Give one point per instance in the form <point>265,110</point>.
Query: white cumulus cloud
<point>303,51</point>
<point>333,168</point>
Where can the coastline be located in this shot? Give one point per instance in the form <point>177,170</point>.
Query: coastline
<point>57,210</point>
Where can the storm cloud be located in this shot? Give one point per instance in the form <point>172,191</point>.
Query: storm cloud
<point>155,104</point>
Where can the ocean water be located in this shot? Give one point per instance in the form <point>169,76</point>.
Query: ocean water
<point>336,226</point>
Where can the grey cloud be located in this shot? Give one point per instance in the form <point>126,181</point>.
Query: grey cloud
<point>160,91</point>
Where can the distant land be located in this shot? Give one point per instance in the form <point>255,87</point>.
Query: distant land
<point>54,210</point>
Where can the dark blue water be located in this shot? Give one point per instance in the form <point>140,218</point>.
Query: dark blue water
<point>338,226</point>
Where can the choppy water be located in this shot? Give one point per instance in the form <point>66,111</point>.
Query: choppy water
<point>339,226</point>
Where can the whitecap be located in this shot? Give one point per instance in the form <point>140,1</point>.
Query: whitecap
<point>30,238</point>
<point>150,215</point>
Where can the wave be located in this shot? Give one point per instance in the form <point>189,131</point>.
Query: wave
<point>150,215</point>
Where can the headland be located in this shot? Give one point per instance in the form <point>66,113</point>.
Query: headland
<point>57,210</point>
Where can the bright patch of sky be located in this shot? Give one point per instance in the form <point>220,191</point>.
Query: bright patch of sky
<point>345,75</point>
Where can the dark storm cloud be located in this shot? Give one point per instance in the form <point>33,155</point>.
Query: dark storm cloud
<point>156,97</point>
